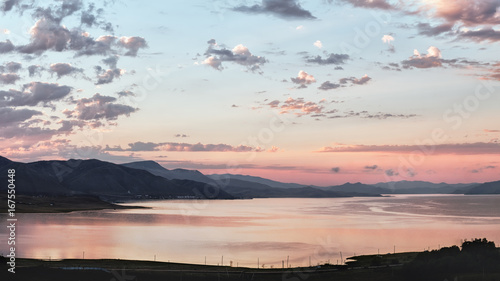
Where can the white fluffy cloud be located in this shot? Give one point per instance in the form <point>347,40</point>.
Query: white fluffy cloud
<point>433,58</point>
<point>303,78</point>
<point>387,39</point>
<point>239,54</point>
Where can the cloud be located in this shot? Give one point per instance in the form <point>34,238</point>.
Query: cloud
<point>483,34</point>
<point>10,116</point>
<point>84,45</point>
<point>9,4</point>
<point>451,18</point>
<point>372,167</point>
<point>493,72</point>
<point>19,129</point>
<point>181,136</point>
<point>111,61</point>
<point>361,81</point>
<point>239,54</point>
<point>6,47</point>
<point>325,86</point>
<point>391,172</point>
<point>137,146</point>
<point>303,107</point>
<point>46,35</point>
<point>93,17</point>
<point>287,9</point>
<point>318,44</point>
<point>107,76</point>
<point>460,14</point>
<point>382,116</point>
<point>33,94</point>
<point>458,148</point>
<point>126,94</point>
<point>57,13</point>
<point>133,44</point>
<point>273,149</point>
<point>335,170</point>
<point>175,146</point>
<point>274,103</point>
<point>62,69</point>
<point>99,107</point>
<point>12,67</point>
<point>431,59</point>
<point>467,12</point>
<point>366,114</point>
<point>480,170</point>
<point>330,59</point>
<point>8,78</point>
<point>391,66</point>
<point>387,39</point>
<point>377,4</point>
<point>328,86</point>
<point>428,30</point>
<point>58,26</point>
<point>303,79</point>
<point>34,70</point>
<point>491,131</point>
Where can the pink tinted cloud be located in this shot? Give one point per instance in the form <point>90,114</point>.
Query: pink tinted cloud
<point>458,148</point>
<point>187,147</point>
<point>304,107</point>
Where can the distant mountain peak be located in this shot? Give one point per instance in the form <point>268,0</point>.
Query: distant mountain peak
<point>146,163</point>
<point>180,170</point>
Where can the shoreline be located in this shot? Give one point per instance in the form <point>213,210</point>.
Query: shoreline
<point>60,204</point>
<point>74,203</point>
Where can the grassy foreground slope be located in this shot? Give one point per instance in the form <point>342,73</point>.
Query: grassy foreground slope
<point>475,260</point>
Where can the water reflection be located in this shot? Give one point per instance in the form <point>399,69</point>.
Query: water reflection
<point>266,229</point>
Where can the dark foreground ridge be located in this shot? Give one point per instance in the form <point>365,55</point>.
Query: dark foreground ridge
<point>478,259</point>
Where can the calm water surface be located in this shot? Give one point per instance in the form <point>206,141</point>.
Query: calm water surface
<point>266,229</point>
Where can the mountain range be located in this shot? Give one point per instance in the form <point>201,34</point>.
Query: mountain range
<point>148,179</point>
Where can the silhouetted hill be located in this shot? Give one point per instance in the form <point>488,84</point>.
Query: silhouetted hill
<point>4,161</point>
<point>260,180</point>
<point>252,188</point>
<point>358,188</point>
<point>486,188</point>
<point>181,174</point>
<point>95,177</point>
<point>263,191</point>
<point>422,187</point>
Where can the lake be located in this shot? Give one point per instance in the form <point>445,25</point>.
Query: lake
<point>267,231</point>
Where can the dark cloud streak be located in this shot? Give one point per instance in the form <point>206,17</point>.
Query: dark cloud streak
<point>287,9</point>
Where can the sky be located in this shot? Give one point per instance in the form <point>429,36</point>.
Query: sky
<point>314,92</point>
